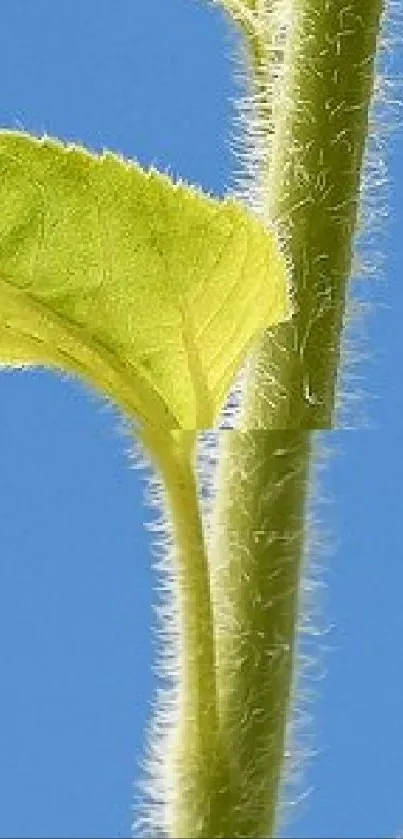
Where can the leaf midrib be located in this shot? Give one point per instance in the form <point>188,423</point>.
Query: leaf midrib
<point>28,306</point>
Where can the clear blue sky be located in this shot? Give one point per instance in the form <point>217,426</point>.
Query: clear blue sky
<point>154,81</point>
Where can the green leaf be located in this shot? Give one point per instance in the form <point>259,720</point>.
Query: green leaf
<point>150,290</point>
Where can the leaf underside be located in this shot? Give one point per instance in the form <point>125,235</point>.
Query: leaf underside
<point>151,291</point>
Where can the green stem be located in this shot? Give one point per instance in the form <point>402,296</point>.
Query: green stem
<point>255,558</point>
<point>312,190</point>
<point>239,616</point>
<point>312,182</point>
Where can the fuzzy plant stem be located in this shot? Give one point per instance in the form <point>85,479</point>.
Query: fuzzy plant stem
<point>255,554</point>
<point>311,187</point>
<point>239,590</point>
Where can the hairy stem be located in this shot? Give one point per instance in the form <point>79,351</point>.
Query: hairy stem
<point>312,183</point>
<point>312,188</point>
<point>255,558</point>
<point>239,608</point>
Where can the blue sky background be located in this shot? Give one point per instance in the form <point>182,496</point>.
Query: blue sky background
<point>155,81</point>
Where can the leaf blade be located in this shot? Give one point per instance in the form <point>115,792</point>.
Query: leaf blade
<point>99,264</point>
